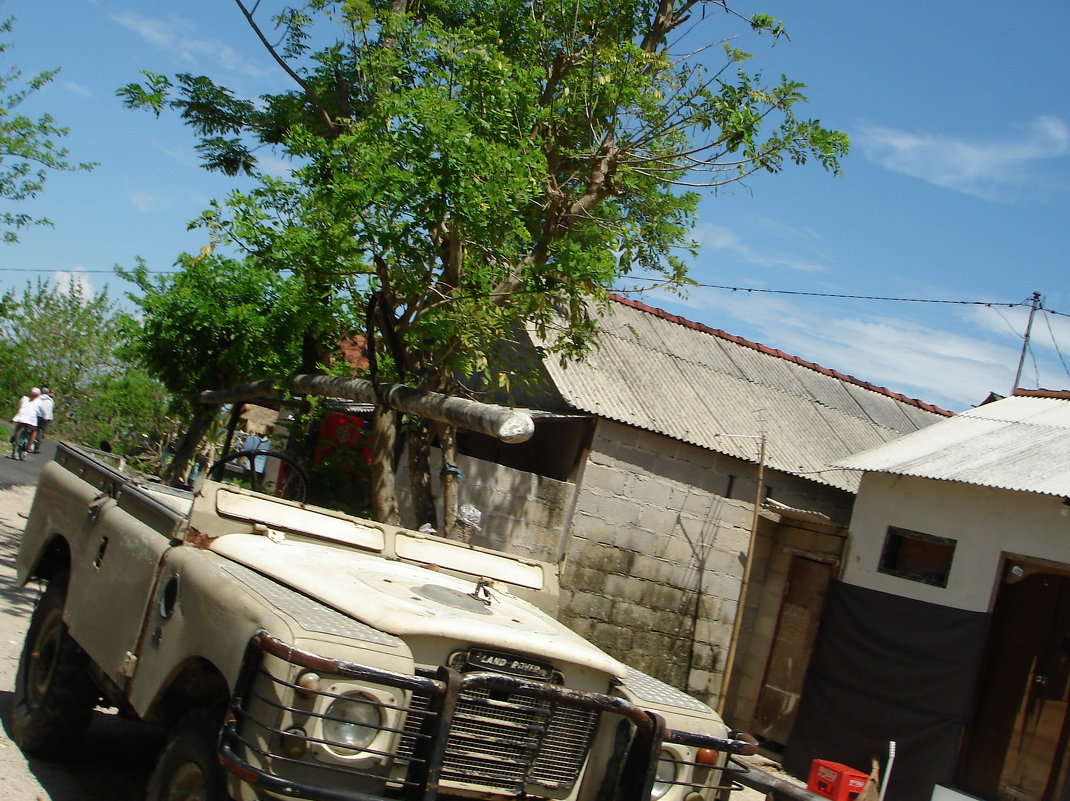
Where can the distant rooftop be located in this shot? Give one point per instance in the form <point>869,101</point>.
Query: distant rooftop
<point>1017,443</point>
<point>700,385</point>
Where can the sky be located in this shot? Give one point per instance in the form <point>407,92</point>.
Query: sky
<point>913,270</point>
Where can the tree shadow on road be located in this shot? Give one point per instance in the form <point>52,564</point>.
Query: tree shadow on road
<point>15,600</point>
<point>111,763</point>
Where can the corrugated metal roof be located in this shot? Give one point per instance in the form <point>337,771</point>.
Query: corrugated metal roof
<point>698,385</point>
<point>1018,443</point>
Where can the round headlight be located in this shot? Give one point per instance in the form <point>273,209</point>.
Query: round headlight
<point>664,776</point>
<point>351,723</point>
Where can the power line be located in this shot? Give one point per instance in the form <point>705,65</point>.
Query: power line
<point>749,289</point>
<point>75,270</point>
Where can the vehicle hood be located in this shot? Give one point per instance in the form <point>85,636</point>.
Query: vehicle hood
<point>410,601</point>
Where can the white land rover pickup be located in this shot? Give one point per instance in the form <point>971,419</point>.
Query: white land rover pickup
<point>296,652</point>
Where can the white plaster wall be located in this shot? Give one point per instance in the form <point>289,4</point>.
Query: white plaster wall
<point>985,523</point>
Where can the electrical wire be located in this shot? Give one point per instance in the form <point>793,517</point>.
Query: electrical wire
<point>1055,345</point>
<point>757,290</point>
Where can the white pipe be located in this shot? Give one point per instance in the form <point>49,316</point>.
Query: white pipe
<point>887,769</point>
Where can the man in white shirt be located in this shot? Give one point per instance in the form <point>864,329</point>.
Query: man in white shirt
<point>46,408</point>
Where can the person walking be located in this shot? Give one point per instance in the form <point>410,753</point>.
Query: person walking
<point>46,410</point>
<point>254,442</point>
<point>25,419</point>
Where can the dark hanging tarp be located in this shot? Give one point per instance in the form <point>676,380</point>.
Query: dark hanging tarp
<point>887,668</point>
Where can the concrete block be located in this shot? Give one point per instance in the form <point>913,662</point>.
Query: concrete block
<point>584,579</point>
<point>652,491</point>
<point>608,479</point>
<point>652,569</point>
<point>658,519</point>
<point>637,539</point>
<point>626,587</point>
<point>677,548</point>
<point>726,563</point>
<point>588,604</point>
<point>677,622</point>
<point>664,597</point>
<point>633,615</point>
<point>619,510</point>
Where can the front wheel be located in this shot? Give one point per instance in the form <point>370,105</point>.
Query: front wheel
<point>188,768</point>
<point>54,695</point>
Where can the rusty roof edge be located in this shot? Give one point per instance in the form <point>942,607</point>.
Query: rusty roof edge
<point>738,340</point>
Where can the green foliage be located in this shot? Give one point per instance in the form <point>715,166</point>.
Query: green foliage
<point>466,167</point>
<point>462,169</point>
<point>28,147</point>
<point>128,410</point>
<point>215,323</point>
<point>73,341</point>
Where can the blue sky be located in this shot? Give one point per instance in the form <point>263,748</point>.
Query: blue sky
<point>957,187</point>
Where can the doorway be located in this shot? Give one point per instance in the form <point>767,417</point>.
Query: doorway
<point>793,640</point>
<point>1016,747</point>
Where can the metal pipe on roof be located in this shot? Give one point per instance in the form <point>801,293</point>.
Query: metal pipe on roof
<point>508,425</point>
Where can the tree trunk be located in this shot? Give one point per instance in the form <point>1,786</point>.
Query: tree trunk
<point>187,446</point>
<point>447,436</point>
<point>384,489</point>
<point>423,497</point>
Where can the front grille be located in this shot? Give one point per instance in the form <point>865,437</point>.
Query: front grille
<point>505,740</point>
<point>492,734</point>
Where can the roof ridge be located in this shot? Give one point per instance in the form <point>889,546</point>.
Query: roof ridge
<point>775,352</point>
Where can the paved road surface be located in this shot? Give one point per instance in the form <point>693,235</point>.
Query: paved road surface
<point>14,473</point>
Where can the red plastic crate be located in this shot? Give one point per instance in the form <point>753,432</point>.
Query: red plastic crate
<point>834,780</point>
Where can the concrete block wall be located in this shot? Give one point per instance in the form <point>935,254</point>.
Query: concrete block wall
<point>652,528</point>
<point>522,513</point>
<point>651,537</point>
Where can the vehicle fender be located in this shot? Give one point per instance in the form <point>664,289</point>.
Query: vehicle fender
<point>58,511</point>
<point>199,613</point>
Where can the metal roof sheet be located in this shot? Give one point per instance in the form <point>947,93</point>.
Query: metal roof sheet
<point>1018,443</point>
<point>706,388</point>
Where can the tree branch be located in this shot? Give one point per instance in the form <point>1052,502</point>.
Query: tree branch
<point>309,92</point>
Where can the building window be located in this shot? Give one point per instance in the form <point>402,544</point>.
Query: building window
<point>917,556</point>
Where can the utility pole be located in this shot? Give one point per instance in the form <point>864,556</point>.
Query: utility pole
<point>737,622</point>
<point>1034,304</point>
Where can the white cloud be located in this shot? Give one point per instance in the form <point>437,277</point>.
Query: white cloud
<point>65,281</point>
<point>76,89</point>
<point>986,168</point>
<point>175,35</point>
<point>147,202</point>
<point>715,237</point>
<point>922,359</point>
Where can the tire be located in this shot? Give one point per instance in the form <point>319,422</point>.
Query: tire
<point>188,768</point>
<point>54,694</point>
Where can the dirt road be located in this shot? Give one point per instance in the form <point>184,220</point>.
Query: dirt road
<point>112,763</point>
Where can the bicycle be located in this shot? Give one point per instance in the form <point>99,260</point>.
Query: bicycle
<point>279,475</point>
<point>20,441</point>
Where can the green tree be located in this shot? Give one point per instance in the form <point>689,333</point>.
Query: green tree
<point>486,164</point>
<point>28,147</point>
<point>215,323</point>
<point>73,341</point>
